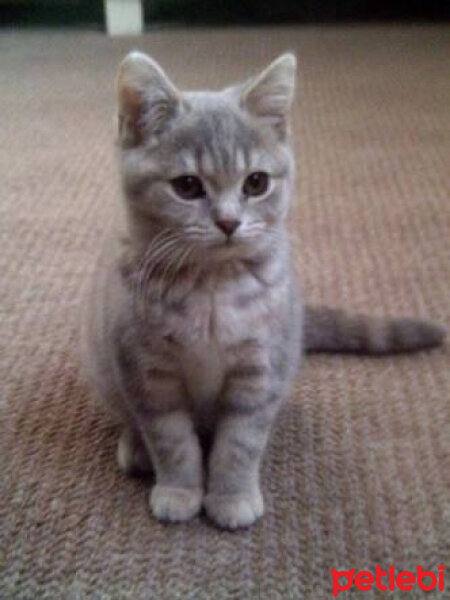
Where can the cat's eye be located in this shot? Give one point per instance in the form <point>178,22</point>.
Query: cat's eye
<point>256,184</point>
<point>188,187</point>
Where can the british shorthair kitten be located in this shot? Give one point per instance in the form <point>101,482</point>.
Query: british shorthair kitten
<point>195,325</point>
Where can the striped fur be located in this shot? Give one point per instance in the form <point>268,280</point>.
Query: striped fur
<point>333,330</point>
<point>191,338</point>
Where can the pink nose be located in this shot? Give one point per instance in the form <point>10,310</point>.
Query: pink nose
<point>228,226</point>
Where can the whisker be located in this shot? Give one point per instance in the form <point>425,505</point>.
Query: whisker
<point>172,261</point>
<point>178,266</point>
<point>156,254</point>
<point>164,254</point>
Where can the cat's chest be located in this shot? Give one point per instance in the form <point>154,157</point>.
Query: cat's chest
<point>218,314</point>
<point>208,326</point>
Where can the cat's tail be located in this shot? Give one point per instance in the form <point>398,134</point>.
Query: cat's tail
<point>332,330</point>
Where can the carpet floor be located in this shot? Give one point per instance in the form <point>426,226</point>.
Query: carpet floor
<point>358,469</point>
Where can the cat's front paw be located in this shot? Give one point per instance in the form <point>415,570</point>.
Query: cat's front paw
<point>175,504</point>
<point>232,511</point>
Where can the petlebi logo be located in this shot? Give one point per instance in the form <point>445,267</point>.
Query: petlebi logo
<point>388,580</point>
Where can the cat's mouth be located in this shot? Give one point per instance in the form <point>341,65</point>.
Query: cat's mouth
<point>233,249</point>
<point>231,244</point>
<point>225,242</point>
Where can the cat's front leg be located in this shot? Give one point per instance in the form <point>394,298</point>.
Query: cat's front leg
<point>177,459</point>
<point>156,402</point>
<point>234,498</point>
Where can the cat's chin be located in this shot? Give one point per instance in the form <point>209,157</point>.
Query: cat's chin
<point>234,249</point>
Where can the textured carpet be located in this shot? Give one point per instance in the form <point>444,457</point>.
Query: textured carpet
<point>358,470</point>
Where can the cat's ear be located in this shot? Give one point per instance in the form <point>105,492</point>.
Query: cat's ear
<point>270,94</point>
<point>147,98</point>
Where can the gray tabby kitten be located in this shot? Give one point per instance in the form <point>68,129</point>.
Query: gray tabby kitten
<point>194,333</point>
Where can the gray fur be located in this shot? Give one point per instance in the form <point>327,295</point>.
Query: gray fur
<point>188,337</point>
<point>334,330</point>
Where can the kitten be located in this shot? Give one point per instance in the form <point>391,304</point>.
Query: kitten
<point>195,322</point>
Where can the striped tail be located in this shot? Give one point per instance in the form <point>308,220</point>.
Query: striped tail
<point>333,330</point>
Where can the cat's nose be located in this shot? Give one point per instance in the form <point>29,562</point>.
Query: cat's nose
<point>228,226</point>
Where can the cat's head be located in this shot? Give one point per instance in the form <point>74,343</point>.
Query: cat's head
<point>211,169</point>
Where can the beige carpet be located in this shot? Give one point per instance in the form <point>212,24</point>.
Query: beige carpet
<point>358,472</point>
